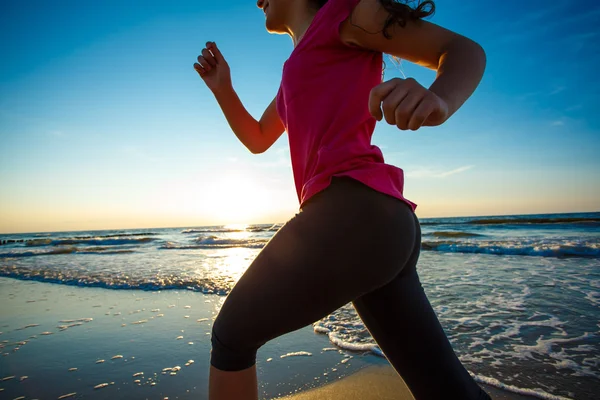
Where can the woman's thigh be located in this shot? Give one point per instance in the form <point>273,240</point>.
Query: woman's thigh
<point>332,252</point>
<point>401,319</point>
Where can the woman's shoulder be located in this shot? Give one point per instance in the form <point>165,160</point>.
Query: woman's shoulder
<point>361,16</point>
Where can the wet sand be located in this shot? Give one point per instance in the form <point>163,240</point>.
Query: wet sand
<point>379,383</point>
<point>56,340</point>
<point>59,341</point>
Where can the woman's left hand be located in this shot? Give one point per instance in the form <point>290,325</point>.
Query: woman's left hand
<point>407,104</point>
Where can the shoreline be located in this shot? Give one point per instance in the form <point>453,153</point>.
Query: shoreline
<point>59,339</point>
<point>380,382</point>
<point>69,339</point>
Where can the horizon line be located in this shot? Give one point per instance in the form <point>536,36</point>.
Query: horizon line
<point>276,223</point>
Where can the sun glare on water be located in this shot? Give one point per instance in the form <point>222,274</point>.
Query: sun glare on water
<point>235,262</point>
<point>236,227</point>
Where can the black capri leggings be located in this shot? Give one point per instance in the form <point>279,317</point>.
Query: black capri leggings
<point>349,243</point>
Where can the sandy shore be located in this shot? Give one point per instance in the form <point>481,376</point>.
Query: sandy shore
<point>128,344</point>
<point>379,383</point>
<point>57,340</point>
<point>375,382</point>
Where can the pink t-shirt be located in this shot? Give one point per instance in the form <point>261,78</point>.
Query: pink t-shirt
<point>323,104</point>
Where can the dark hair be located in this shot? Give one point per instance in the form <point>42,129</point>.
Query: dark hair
<point>400,11</point>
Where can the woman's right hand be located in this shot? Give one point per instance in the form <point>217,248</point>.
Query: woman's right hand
<point>213,68</point>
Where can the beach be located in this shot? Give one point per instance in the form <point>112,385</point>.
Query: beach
<point>381,383</point>
<point>84,342</point>
<point>88,342</point>
<point>99,343</point>
<point>128,313</point>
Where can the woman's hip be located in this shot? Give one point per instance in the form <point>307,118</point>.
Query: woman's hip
<point>356,214</point>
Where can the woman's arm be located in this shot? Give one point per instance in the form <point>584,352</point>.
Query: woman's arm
<point>459,61</point>
<point>257,136</point>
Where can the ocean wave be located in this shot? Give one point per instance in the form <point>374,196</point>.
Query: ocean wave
<point>572,220</point>
<point>272,228</point>
<point>90,241</point>
<point>537,392</point>
<point>115,280</point>
<point>64,250</point>
<point>347,332</point>
<point>48,241</point>
<point>116,235</point>
<point>453,234</point>
<point>561,250</point>
<point>255,228</point>
<point>211,230</point>
<point>213,242</point>
<point>588,221</point>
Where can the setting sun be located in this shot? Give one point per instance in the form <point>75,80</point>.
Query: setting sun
<point>236,227</point>
<point>236,198</point>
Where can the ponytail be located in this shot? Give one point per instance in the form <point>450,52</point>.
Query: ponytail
<point>400,11</point>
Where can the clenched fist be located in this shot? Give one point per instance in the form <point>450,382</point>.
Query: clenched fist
<point>407,104</point>
<point>213,68</point>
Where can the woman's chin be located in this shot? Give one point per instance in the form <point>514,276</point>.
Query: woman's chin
<point>273,27</point>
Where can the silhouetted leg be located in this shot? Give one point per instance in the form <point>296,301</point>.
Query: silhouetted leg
<point>400,318</point>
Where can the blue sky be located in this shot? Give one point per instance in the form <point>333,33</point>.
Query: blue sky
<point>105,124</point>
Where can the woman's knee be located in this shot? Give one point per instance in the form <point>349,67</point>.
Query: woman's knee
<point>230,351</point>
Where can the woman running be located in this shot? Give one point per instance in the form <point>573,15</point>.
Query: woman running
<point>356,238</point>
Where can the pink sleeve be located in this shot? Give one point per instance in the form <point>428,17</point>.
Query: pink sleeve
<point>341,10</point>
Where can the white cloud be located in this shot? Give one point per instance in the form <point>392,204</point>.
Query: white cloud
<point>574,107</point>
<point>428,172</point>
<point>557,90</point>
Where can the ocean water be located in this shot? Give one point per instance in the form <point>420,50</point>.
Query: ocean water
<point>518,296</point>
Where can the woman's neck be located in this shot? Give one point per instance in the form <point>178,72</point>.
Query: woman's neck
<point>299,24</point>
